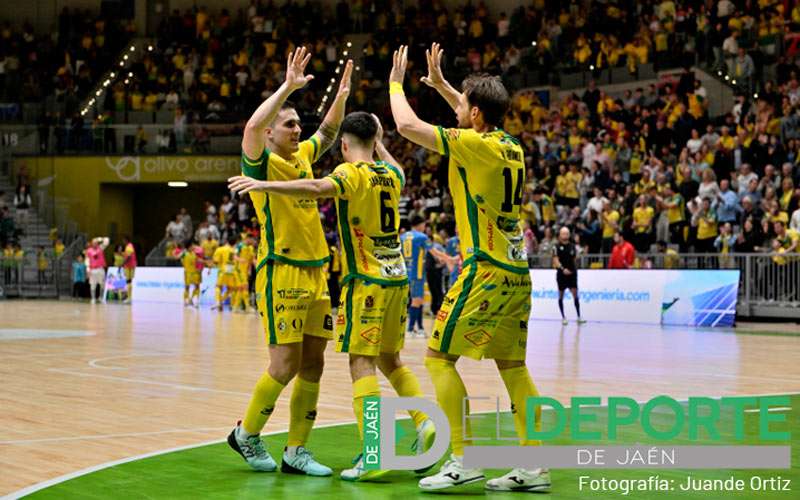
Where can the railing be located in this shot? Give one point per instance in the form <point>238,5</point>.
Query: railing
<point>158,255</point>
<point>769,282</point>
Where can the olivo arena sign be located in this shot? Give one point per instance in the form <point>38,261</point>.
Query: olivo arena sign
<point>158,168</point>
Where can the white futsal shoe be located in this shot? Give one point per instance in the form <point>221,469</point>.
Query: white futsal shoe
<point>521,480</point>
<point>450,475</point>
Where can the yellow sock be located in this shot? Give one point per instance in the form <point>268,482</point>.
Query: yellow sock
<point>186,294</point>
<point>196,291</point>
<point>450,394</point>
<point>261,404</point>
<point>363,388</point>
<point>245,298</point>
<point>406,384</point>
<point>218,295</point>
<point>302,411</point>
<point>520,387</point>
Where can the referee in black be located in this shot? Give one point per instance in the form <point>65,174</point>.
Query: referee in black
<point>566,272</point>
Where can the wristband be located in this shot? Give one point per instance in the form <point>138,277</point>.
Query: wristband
<point>396,88</point>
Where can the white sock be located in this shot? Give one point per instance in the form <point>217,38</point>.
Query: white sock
<point>291,451</point>
<point>242,434</point>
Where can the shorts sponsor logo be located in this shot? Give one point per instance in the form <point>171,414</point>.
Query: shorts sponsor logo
<point>341,338</point>
<point>448,301</point>
<point>441,315</point>
<point>311,415</point>
<point>490,323</point>
<point>478,337</point>
<point>523,325</point>
<point>327,324</point>
<point>366,319</point>
<point>281,325</point>
<point>484,306</point>
<point>371,335</point>
<point>436,334</point>
<point>394,270</point>
<point>369,302</point>
<point>291,307</point>
<point>489,286</point>
<point>340,319</point>
<point>297,324</point>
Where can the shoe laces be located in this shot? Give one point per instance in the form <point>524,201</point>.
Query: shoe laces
<point>303,457</point>
<point>254,447</point>
<point>357,459</point>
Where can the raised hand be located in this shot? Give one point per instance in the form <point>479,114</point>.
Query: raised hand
<point>379,133</point>
<point>345,83</point>
<point>295,69</point>
<point>434,57</point>
<point>399,64</point>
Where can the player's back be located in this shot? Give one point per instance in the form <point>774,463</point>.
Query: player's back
<point>189,260</point>
<point>369,221</point>
<point>487,176</point>
<point>223,258</point>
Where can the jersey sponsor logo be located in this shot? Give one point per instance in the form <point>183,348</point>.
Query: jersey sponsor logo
<point>281,325</point>
<point>441,315</point>
<point>372,335</point>
<point>390,241</point>
<point>297,324</point>
<point>340,319</point>
<point>369,302</point>
<point>452,134</point>
<point>484,306</point>
<point>306,204</point>
<point>291,307</point>
<point>517,254</point>
<point>366,319</point>
<point>478,337</point>
<point>394,270</point>
<point>294,293</point>
<point>360,247</point>
<point>448,301</point>
<point>327,324</point>
<point>490,235</point>
<point>489,286</point>
<point>490,323</point>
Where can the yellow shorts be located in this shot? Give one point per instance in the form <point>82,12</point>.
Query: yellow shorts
<point>241,277</point>
<point>129,272</point>
<point>371,318</point>
<point>485,314</point>
<point>191,278</point>
<point>226,280</point>
<point>293,301</point>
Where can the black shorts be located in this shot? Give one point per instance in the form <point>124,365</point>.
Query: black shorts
<point>566,280</point>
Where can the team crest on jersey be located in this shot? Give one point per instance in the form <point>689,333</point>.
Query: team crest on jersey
<point>369,302</point>
<point>281,325</point>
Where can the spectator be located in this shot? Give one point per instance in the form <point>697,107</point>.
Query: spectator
<point>79,284</point>
<point>22,204</point>
<point>176,231</point>
<point>623,255</point>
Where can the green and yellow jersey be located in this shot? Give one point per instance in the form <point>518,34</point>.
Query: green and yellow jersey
<point>368,197</point>
<point>291,231</point>
<point>189,261</point>
<point>675,214</point>
<point>245,253</point>
<point>487,175</point>
<point>223,259</point>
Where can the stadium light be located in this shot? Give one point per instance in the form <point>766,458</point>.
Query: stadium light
<point>113,74</point>
<point>133,48</point>
<point>121,63</point>
<point>349,44</point>
<point>344,53</point>
<point>719,73</point>
<point>733,82</point>
<point>727,78</point>
<point>533,43</point>
<point>125,57</point>
<point>337,71</point>
<point>755,96</point>
<point>127,81</point>
<point>358,68</point>
<point>178,184</point>
<point>333,80</point>
<point>591,67</point>
<point>130,74</point>
<point>150,48</point>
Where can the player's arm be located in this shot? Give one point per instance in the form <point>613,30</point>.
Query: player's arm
<point>443,257</point>
<point>383,154</point>
<point>408,123</point>
<point>253,138</point>
<point>329,128</point>
<point>310,188</point>
<point>436,79</point>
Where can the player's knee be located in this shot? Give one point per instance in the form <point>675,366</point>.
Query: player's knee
<point>311,368</point>
<point>389,362</point>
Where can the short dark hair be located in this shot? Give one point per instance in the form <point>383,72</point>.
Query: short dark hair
<point>360,125</point>
<point>232,239</point>
<point>417,220</point>
<point>488,94</point>
<point>287,104</point>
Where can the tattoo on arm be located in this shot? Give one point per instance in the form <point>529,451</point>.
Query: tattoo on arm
<point>327,136</point>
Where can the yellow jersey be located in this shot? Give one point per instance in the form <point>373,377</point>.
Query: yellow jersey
<point>643,217</point>
<point>223,259</point>
<point>367,205</point>
<point>209,247</point>
<point>245,253</point>
<point>675,214</point>
<point>486,175</point>
<point>573,181</point>
<point>562,185</point>
<point>291,231</point>
<point>548,209</point>
<point>707,226</point>
<point>189,261</point>
<point>643,186</point>
<point>610,218</point>
<point>789,238</point>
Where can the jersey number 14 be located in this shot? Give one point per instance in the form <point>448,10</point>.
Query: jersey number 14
<point>511,191</point>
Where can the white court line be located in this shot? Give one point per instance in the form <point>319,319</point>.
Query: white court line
<point>178,386</point>
<point>110,436</point>
<point>95,363</point>
<point>777,408</point>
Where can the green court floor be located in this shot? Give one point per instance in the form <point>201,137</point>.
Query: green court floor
<point>215,471</point>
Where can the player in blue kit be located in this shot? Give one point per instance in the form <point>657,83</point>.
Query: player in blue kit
<point>416,245</point>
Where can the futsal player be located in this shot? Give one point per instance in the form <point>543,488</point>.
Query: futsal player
<point>566,272</point>
<point>486,173</point>
<point>129,266</point>
<point>291,286</point>
<point>191,259</point>
<point>245,255</point>
<point>226,266</point>
<point>416,245</point>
